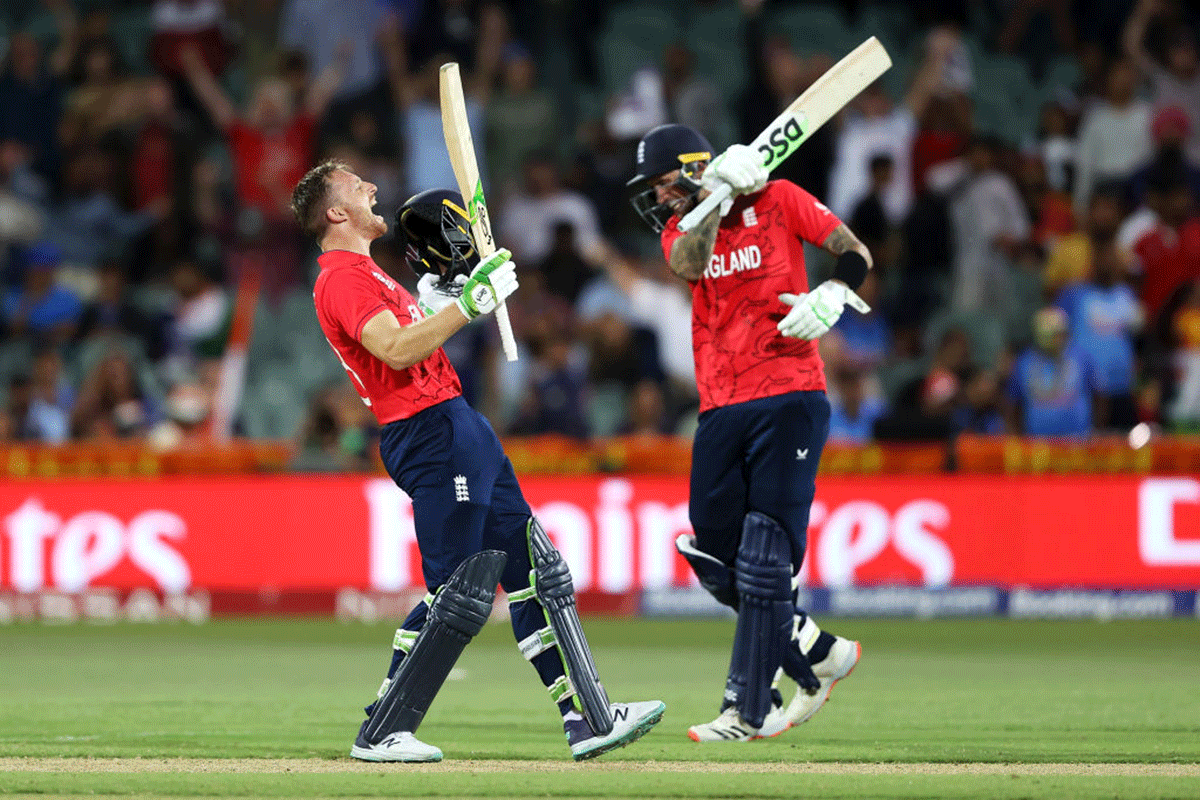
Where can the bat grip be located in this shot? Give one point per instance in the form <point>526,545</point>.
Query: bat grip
<point>506,332</point>
<point>697,214</point>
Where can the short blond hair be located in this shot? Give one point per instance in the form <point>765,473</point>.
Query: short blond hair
<point>310,198</point>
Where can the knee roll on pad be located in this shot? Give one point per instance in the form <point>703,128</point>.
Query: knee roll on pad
<point>763,576</point>
<point>456,614</point>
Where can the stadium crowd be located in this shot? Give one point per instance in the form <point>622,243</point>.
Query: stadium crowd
<point>1036,275</point>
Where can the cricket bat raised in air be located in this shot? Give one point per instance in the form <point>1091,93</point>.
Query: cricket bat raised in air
<point>466,170</point>
<point>828,94</point>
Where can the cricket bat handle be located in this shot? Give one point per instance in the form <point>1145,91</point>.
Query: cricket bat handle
<point>705,207</point>
<point>507,340</point>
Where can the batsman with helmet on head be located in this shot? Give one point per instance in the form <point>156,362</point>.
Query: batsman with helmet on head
<point>473,525</point>
<point>764,416</point>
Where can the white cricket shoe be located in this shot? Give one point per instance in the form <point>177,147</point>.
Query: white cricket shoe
<point>402,746</point>
<point>631,721</point>
<point>843,655</point>
<point>730,727</point>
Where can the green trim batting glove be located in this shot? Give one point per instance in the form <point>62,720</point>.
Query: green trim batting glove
<point>490,283</point>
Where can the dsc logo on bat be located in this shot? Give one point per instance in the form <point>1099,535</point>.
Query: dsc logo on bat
<point>783,140</point>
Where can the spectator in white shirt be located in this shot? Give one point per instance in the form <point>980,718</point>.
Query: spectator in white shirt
<point>527,225</point>
<point>1114,137</point>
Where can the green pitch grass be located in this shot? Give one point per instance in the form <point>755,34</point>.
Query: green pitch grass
<point>1080,709</point>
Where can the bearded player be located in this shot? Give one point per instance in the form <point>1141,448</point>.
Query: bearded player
<point>473,526</point>
<point>764,415</point>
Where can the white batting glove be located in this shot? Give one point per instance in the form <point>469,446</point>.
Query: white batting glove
<point>433,295</point>
<point>741,167</point>
<point>814,313</point>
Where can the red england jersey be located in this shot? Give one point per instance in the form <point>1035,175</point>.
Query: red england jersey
<point>758,255</point>
<point>352,289</point>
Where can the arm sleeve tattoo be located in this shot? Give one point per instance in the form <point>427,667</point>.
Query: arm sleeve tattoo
<point>691,252</point>
<point>840,240</point>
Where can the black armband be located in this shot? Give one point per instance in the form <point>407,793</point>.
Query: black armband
<point>850,269</point>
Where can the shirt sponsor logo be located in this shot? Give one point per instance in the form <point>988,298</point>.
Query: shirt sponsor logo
<point>384,279</point>
<point>740,260</point>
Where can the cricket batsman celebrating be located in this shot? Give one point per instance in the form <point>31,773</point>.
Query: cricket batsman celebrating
<point>473,525</point>
<point>764,414</point>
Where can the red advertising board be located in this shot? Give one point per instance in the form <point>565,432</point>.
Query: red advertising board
<point>321,534</point>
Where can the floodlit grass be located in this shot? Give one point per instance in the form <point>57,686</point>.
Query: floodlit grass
<point>925,691</point>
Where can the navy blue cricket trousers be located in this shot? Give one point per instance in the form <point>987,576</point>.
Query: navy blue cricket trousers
<point>762,456</point>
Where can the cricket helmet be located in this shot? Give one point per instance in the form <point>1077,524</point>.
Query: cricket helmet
<point>435,231</point>
<point>665,149</point>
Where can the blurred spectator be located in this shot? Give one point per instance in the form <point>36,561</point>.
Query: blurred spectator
<point>416,95</point>
<point>639,107</point>
<point>852,413</point>
<point>23,194</point>
<point>111,402</point>
<point>272,148</point>
<point>775,77</point>
<point>111,311</point>
<point>521,119</point>
<point>873,127</point>
<point>926,238</point>
<point>564,270</point>
<point>620,356</point>
<point>89,224</point>
<point>1104,315</point>
<point>989,221</point>
<point>1057,147</point>
<point>950,368</point>
<point>528,223</point>
<point>1114,135</point>
<point>648,415</point>
<point>199,331</point>
<point>557,396</point>
<point>869,220</point>
<point>1049,209</point>
<point>39,403</point>
<point>1025,25</point>
<point>1048,392</point>
<point>1169,253</point>
<point>337,35</point>
<point>1173,70</point>
<point>867,338</point>
<point>457,28</point>
<point>272,142</point>
<point>104,96</point>
<point>979,410</point>
<point>662,302</point>
<point>31,92</point>
<point>944,131</point>
<point>338,433</point>
<point>39,307</point>
<point>1185,328</point>
<point>692,99</point>
<point>181,25</point>
<point>1169,129</point>
<point>1071,258</point>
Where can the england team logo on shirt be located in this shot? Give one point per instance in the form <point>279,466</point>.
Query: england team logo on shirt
<point>749,218</point>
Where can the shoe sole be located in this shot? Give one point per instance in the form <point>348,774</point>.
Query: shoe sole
<point>828,690</point>
<point>638,731</point>
<point>365,754</point>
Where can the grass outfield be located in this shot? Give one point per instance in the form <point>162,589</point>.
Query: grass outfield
<point>981,708</point>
